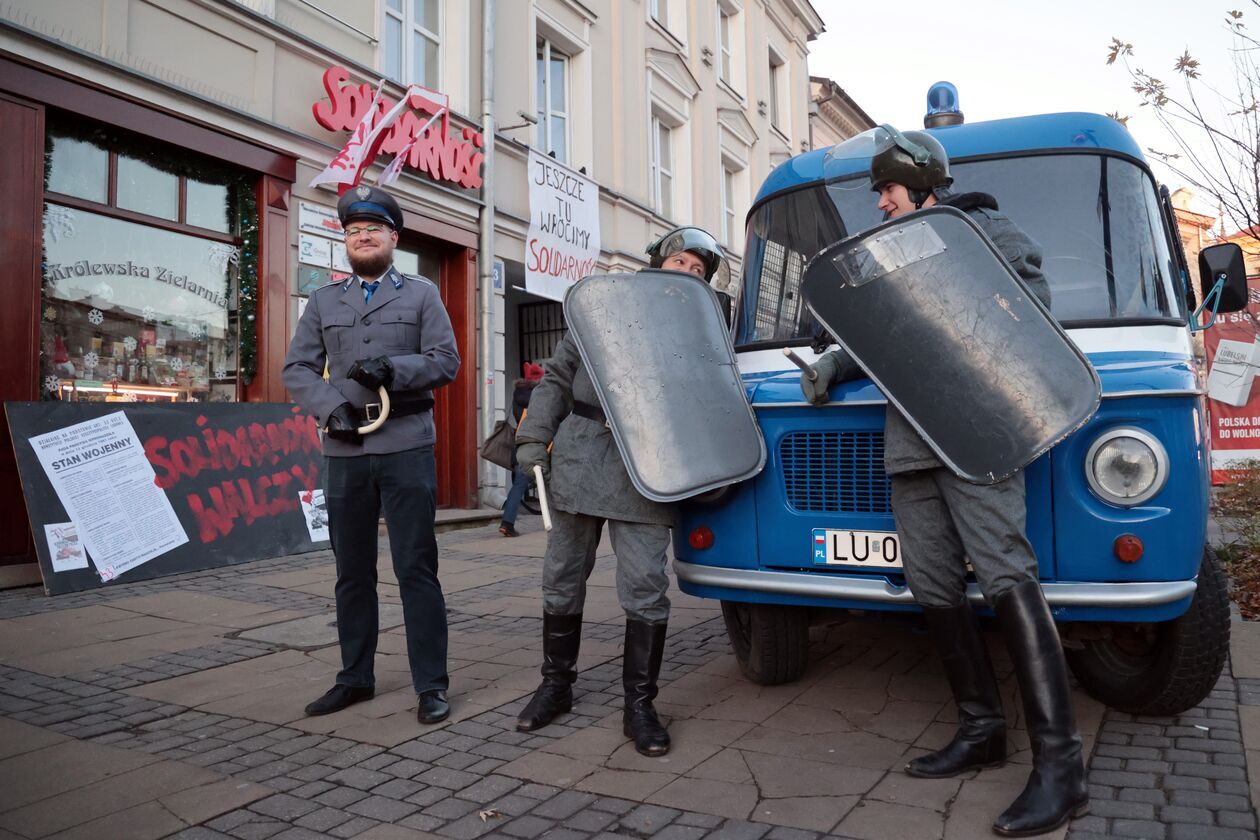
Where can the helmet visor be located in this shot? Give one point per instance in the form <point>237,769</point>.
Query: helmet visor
<point>846,162</point>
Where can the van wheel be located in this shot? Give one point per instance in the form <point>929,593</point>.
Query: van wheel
<point>1167,667</point>
<point>771,641</point>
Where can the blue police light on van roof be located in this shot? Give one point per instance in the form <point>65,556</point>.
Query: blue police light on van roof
<point>942,106</point>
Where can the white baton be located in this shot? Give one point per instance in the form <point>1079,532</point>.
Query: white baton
<point>542,498</point>
<point>809,372</point>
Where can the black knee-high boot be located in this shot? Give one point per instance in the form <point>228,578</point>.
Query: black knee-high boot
<point>1056,789</point>
<point>641,665</point>
<point>981,737</point>
<point>562,636</point>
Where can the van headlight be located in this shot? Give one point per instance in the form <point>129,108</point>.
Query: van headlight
<point>1126,466</point>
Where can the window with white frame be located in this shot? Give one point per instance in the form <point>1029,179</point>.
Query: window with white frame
<point>411,41</point>
<point>552,98</point>
<point>777,69</point>
<point>729,198</point>
<point>659,10</point>
<point>726,70</point>
<point>662,167</point>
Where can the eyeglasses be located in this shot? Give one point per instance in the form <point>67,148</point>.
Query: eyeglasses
<point>371,230</point>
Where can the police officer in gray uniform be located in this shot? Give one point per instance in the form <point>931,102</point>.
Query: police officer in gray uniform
<point>943,521</point>
<point>588,485</point>
<point>379,328</point>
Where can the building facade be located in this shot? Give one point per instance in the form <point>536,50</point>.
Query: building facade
<point>162,236</point>
<point>834,116</point>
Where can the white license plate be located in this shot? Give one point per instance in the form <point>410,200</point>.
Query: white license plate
<point>874,550</point>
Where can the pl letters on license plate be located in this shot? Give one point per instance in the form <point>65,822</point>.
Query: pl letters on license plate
<point>860,549</point>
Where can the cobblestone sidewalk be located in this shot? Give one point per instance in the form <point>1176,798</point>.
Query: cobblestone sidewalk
<point>174,708</point>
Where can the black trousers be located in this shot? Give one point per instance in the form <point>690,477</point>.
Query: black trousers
<point>404,485</point>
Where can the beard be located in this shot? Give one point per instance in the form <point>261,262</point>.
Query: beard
<point>372,265</point>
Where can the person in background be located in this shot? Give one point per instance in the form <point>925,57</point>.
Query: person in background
<point>521,390</point>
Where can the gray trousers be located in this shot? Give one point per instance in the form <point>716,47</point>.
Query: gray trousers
<point>570,557</point>
<point>943,521</point>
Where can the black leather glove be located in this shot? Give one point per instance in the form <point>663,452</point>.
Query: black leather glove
<point>372,373</point>
<point>343,424</point>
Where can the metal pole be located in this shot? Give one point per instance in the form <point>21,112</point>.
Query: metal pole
<point>485,253</point>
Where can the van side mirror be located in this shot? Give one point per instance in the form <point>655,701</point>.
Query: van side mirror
<point>1224,261</point>
<point>727,301</point>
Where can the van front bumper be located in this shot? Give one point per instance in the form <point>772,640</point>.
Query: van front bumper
<point>875,592</point>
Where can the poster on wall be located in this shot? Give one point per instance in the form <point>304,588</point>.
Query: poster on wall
<point>316,218</point>
<point>1233,389</point>
<point>163,488</point>
<point>315,250</point>
<point>563,242</point>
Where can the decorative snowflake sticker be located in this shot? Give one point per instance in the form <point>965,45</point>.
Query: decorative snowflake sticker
<point>52,384</point>
<point>129,343</point>
<point>96,317</point>
<point>90,361</point>
<point>219,255</point>
<point>196,329</point>
<point>50,313</point>
<point>175,363</point>
<point>58,222</point>
<point>148,313</point>
<point>104,291</point>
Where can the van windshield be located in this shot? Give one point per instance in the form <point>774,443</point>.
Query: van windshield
<point>1097,218</point>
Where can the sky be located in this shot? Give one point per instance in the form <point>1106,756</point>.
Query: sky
<point>1019,57</point>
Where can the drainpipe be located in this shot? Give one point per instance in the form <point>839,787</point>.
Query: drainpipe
<point>485,253</point>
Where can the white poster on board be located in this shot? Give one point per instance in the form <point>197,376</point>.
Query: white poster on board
<point>563,242</point>
<point>107,486</point>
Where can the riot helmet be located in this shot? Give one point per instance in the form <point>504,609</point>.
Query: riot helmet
<point>914,159</point>
<point>699,242</point>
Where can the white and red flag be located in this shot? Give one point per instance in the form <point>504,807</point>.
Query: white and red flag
<point>435,103</point>
<point>346,168</point>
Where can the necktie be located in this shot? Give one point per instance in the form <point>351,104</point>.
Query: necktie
<point>369,289</point>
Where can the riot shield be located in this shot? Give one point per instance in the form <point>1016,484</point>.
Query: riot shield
<point>657,347</point>
<point>934,314</point>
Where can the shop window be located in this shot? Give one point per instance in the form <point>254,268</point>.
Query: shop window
<point>140,289</point>
<point>133,312</point>
<point>79,168</point>
<point>147,189</point>
<point>207,205</point>
<point>411,43</point>
<point>552,97</point>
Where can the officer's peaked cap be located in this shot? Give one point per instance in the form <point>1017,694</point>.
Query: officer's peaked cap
<point>364,202</point>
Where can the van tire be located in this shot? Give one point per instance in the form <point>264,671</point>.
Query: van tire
<point>771,641</point>
<point>1165,668</point>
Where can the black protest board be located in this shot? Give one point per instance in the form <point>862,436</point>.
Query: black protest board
<point>236,476</point>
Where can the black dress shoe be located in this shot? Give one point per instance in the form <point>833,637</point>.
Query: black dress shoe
<point>339,697</point>
<point>432,707</point>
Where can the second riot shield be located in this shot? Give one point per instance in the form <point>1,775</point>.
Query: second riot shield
<point>934,314</point>
<point>658,350</point>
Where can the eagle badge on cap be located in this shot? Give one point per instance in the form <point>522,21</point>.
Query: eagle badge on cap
<point>363,193</point>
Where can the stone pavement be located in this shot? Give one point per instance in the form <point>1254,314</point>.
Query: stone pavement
<point>174,708</point>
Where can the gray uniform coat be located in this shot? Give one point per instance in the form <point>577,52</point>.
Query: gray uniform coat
<point>587,473</point>
<point>904,449</point>
<point>406,321</point>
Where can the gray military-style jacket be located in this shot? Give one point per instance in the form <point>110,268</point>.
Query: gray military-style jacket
<point>405,321</point>
<point>587,473</point>
<point>904,449</point>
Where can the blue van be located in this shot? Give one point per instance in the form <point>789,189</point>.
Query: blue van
<point>1117,512</point>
